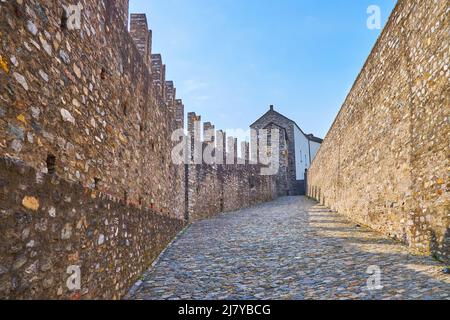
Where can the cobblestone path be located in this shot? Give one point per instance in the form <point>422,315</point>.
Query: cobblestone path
<point>288,249</point>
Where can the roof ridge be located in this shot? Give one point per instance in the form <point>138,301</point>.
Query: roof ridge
<point>307,136</point>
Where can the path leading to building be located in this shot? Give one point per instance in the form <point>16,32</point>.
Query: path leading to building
<point>288,249</point>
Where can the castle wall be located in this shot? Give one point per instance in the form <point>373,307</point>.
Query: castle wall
<point>86,174</point>
<point>224,185</point>
<point>48,225</point>
<point>244,186</point>
<point>385,161</point>
<point>85,97</point>
<point>80,105</point>
<point>221,188</point>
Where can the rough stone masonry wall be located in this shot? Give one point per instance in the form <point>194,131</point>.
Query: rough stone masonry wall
<point>244,186</point>
<point>85,97</point>
<point>86,176</point>
<point>385,161</point>
<point>221,188</point>
<point>48,224</point>
<point>80,105</point>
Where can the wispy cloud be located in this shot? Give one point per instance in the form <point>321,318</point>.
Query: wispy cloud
<point>190,86</point>
<point>201,98</point>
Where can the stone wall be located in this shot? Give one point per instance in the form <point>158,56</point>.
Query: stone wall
<point>224,182</point>
<point>221,188</point>
<point>385,160</point>
<point>48,224</point>
<point>86,101</point>
<point>86,119</point>
<point>244,186</point>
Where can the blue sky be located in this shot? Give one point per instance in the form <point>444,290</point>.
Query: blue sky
<point>231,59</point>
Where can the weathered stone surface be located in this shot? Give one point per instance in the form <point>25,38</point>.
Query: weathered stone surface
<point>4,65</point>
<point>66,232</point>
<point>16,131</point>
<point>30,203</point>
<point>21,79</point>
<point>43,75</point>
<point>61,81</point>
<point>64,56</point>
<point>67,116</point>
<point>385,161</point>
<point>32,27</point>
<point>47,245</point>
<point>212,188</point>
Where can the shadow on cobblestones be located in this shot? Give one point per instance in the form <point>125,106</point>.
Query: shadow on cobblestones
<point>288,249</point>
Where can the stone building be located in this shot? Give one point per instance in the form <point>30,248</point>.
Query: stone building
<point>297,151</point>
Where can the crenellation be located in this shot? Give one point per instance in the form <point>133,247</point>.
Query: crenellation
<point>163,81</point>
<point>245,151</point>
<point>229,182</point>
<point>170,93</point>
<point>85,121</point>
<point>194,137</point>
<point>179,113</point>
<point>221,137</point>
<point>209,133</point>
<point>140,34</point>
<point>158,74</point>
<point>150,48</point>
<point>232,150</point>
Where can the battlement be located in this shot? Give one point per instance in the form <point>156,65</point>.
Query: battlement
<point>171,92</point>
<point>142,38</point>
<point>90,115</point>
<point>179,113</point>
<point>158,74</point>
<point>225,148</point>
<point>233,149</point>
<point>140,34</point>
<point>245,151</point>
<point>103,97</point>
<point>209,134</point>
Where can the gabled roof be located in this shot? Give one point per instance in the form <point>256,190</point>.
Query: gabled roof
<point>310,137</point>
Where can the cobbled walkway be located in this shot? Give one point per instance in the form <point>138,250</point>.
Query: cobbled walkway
<point>288,249</point>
